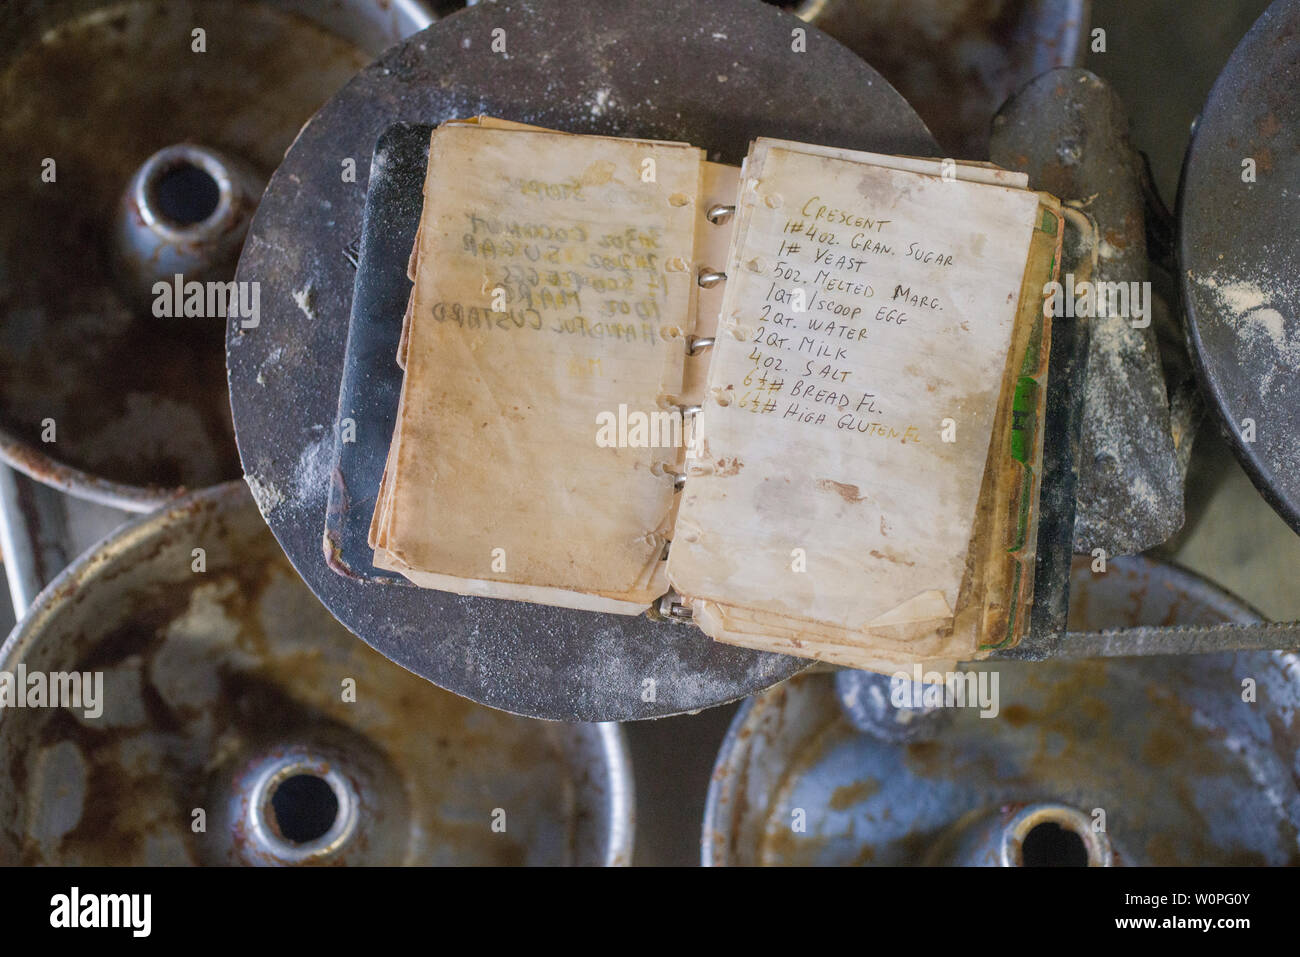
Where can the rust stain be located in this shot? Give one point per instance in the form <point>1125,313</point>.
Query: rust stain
<point>269,688</point>
<point>850,493</point>
<point>844,797</point>
<point>891,556</point>
<point>598,173</point>
<point>1017,715</point>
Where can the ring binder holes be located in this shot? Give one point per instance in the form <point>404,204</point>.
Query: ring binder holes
<point>719,213</point>
<point>678,199</point>
<point>710,277</point>
<point>722,397</point>
<point>676,264</point>
<point>773,202</point>
<point>670,332</point>
<point>739,333</point>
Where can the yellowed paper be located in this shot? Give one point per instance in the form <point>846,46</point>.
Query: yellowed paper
<point>496,474</point>
<point>868,311</point>
<point>905,307</point>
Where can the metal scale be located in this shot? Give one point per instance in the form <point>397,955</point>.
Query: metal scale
<point>691,77</point>
<point>716,75</point>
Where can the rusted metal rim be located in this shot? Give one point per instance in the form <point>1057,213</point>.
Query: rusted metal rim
<point>25,458</point>
<point>1015,837</point>
<point>595,783</point>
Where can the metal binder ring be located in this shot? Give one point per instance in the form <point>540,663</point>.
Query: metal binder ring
<point>673,609</point>
<point>679,480</point>
<point>690,410</point>
<point>719,213</point>
<point>710,277</point>
<point>697,343</point>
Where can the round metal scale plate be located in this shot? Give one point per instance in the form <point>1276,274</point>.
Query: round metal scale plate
<point>716,75</point>
<point>1240,262</point>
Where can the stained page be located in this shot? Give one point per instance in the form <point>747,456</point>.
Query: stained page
<point>867,320</point>
<point>552,284</point>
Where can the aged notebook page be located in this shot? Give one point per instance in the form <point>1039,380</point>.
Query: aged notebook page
<point>828,453</point>
<point>996,592</point>
<point>594,263</point>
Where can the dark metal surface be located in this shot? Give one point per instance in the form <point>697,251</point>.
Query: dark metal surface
<point>372,381</point>
<point>1162,640</point>
<point>1239,258</point>
<point>1185,769</point>
<point>1069,132</point>
<point>716,75</point>
<point>956,61</point>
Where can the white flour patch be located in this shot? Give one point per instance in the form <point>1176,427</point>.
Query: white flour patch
<point>312,470</point>
<point>265,493</point>
<point>1249,308</point>
<point>1272,322</point>
<point>303,297</point>
<point>270,362</point>
<point>601,102</point>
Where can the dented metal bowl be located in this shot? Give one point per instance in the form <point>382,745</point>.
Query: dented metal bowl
<point>240,724</point>
<point>1159,761</point>
<point>100,396</point>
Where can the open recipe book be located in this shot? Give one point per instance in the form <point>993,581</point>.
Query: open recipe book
<point>805,395</point>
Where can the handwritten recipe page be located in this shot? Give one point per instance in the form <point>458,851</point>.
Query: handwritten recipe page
<point>867,318</point>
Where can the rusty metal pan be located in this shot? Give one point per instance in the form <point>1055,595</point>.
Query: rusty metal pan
<point>99,397</point>
<point>1167,754</point>
<point>716,75</point>
<point>228,690</point>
